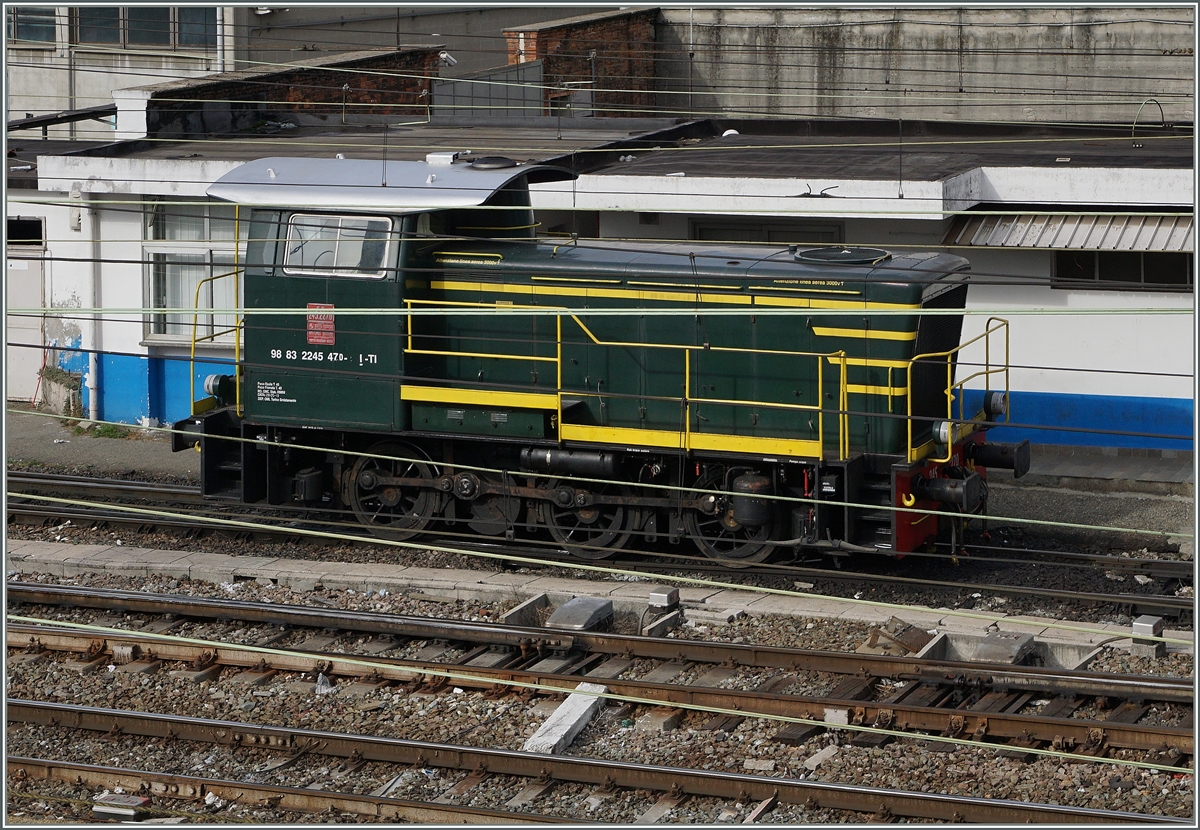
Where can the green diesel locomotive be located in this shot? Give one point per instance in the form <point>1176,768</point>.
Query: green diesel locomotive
<point>413,353</point>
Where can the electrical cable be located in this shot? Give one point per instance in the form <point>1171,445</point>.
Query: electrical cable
<point>667,488</point>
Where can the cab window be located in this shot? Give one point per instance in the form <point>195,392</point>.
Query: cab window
<point>341,246</point>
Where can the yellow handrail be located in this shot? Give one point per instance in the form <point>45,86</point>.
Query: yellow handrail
<point>840,357</point>
<point>214,334</point>
<point>994,325</point>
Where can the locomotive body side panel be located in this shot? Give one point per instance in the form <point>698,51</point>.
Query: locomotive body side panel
<point>765,383</point>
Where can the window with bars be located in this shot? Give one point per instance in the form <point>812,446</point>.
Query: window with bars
<point>190,258</point>
<point>28,25</point>
<point>146,27</point>
<point>1129,270</point>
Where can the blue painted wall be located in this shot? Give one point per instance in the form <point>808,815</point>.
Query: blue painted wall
<point>1107,413</point>
<point>124,393</point>
<point>133,387</point>
<point>173,387</point>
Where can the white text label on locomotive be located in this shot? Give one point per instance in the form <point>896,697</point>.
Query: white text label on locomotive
<point>269,390</point>
<point>332,357</point>
<point>830,283</point>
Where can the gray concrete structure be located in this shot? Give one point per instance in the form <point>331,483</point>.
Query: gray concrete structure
<point>61,559</point>
<point>1036,63</point>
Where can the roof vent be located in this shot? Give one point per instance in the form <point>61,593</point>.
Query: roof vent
<point>843,255</point>
<point>492,163</point>
<point>441,158</point>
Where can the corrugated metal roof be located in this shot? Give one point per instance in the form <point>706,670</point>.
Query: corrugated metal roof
<point>1078,232</point>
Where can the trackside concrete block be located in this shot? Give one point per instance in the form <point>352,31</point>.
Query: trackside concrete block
<point>660,719</point>
<point>568,720</point>
<point>526,613</point>
<point>824,755</point>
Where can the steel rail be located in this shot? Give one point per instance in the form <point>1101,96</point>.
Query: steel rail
<point>290,799</point>
<point>1166,605</point>
<point>900,716</point>
<point>1057,681</point>
<point>563,768</point>
<point>1171,603</point>
<point>86,483</point>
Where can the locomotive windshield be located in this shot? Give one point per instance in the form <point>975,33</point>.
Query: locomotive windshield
<point>347,246</point>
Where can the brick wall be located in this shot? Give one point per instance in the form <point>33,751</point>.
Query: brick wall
<point>388,83</point>
<point>623,43</point>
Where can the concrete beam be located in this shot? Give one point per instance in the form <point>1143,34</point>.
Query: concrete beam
<point>568,720</point>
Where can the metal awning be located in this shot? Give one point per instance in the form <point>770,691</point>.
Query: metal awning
<point>363,184</point>
<point>1075,232</point>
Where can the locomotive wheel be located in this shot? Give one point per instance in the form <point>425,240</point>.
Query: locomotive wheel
<point>596,531</point>
<point>719,537</point>
<point>390,511</point>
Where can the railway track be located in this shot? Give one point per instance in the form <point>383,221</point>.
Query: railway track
<point>283,524</point>
<point>185,796</point>
<point>542,771</point>
<point>885,696</point>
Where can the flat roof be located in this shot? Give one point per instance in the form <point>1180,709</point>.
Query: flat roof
<point>532,139</point>
<point>23,150</point>
<point>922,151</point>
<point>918,169</point>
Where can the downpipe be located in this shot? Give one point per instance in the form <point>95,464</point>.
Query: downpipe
<point>92,382</point>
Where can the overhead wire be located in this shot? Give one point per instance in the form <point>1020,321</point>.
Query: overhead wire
<point>569,565</point>
<point>661,57</point>
<point>58,313</point>
<point>670,489</point>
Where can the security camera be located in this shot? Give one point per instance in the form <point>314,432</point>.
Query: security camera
<point>447,59</point>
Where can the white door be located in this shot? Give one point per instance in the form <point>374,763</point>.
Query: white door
<point>24,333</point>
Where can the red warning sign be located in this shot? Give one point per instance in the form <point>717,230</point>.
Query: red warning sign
<point>320,326</point>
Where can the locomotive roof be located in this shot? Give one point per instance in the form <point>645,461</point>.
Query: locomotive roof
<point>708,261</point>
<point>394,186</point>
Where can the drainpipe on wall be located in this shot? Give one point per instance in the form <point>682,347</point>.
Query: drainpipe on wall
<point>93,346</point>
<point>220,39</point>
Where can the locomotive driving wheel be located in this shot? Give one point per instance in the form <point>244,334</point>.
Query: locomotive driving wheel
<point>588,529</point>
<point>719,536</point>
<point>389,508</point>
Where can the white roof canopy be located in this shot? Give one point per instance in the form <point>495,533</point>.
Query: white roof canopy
<point>366,184</point>
<point>1077,232</point>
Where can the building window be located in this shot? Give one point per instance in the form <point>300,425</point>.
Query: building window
<point>147,27</point>
<point>190,260</point>
<point>788,233</point>
<point>29,25</point>
<point>1129,270</point>
<point>21,230</point>
<point>344,246</point>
